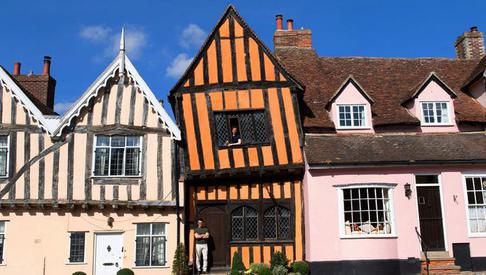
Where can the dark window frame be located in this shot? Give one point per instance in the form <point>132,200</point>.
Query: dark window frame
<point>222,126</point>
<point>77,247</point>
<point>246,234</point>
<point>109,148</point>
<point>277,219</point>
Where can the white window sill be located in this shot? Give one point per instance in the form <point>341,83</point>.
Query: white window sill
<point>370,236</point>
<point>83,263</point>
<point>151,267</point>
<point>353,128</point>
<point>476,235</point>
<point>437,125</point>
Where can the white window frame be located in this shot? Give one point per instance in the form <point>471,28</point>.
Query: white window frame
<point>365,117</point>
<point>135,266</point>
<point>4,261</point>
<point>342,227</point>
<point>434,105</point>
<point>68,261</point>
<point>124,155</point>
<point>466,203</point>
<point>8,157</point>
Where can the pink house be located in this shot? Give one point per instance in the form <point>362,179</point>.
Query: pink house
<point>395,159</point>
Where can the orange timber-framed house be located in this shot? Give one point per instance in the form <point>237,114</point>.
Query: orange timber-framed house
<point>249,194</point>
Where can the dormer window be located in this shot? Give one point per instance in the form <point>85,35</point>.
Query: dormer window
<point>351,116</point>
<point>435,113</point>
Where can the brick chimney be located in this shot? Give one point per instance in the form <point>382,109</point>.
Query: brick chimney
<point>470,45</point>
<point>40,88</point>
<point>295,38</point>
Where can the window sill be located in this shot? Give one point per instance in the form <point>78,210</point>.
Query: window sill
<point>353,128</point>
<point>437,125</point>
<point>243,145</point>
<point>371,236</point>
<point>83,263</point>
<point>151,267</point>
<point>261,242</point>
<point>476,235</point>
<point>118,180</point>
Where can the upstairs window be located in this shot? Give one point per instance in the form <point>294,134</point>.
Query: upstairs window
<point>435,113</point>
<point>4,140</point>
<point>351,116</point>
<point>243,127</point>
<point>117,155</point>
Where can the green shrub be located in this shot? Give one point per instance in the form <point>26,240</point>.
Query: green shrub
<point>79,273</point>
<point>260,269</point>
<point>278,258</point>
<point>180,265</point>
<point>125,271</point>
<point>294,273</point>
<point>279,270</point>
<point>237,266</point>
<point>300,267</point>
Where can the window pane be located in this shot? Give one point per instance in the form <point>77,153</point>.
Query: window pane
<point>143,229</point>
<point>251,223</point>
<point>102,141</point>
<point>158,229</point>
<point>2,241</point>
<point>424,179</point>
<point>221,128</point>
<point>158,251</point>
<point>133,141</point>
<point>284,223</point>
<point>132,162</point>
<point>101,161</point>
<point>142,251</point>
<point>3,162</point>
<point>260,128</point>
<point>3,141</point>
<point>2,227</point>
<point>270,222</point>
<point>76,254</point>
<point>117,141</point>
<point>116,168</point>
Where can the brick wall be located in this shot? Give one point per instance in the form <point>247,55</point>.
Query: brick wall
<point>294,38</point>
<point>470,45</point>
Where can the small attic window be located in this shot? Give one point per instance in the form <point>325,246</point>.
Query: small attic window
<point>351,116</point>
<point>435,113</point>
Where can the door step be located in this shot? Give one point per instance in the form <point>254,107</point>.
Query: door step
<point>440,262</point>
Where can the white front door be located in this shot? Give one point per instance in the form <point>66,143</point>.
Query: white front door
<point>108,253</point>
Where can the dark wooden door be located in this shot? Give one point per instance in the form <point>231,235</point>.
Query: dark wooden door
<point>430,216</point>
<point>215,219</point>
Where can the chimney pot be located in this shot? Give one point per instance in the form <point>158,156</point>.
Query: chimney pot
<point>47,65</point>
<point>16,70</point>
<point>290,24</point>
<point>474,29</point>
<point>278,20</point>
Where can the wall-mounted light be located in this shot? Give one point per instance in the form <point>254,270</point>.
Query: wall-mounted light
<point>408,190</point>
<point>110,221</point>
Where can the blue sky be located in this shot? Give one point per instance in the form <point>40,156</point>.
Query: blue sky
<point>162,36</point>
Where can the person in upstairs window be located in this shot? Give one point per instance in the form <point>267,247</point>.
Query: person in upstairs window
<point>201,234</point>
<point>235,138</point>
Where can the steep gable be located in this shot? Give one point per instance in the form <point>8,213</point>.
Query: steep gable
<point>232,54</point>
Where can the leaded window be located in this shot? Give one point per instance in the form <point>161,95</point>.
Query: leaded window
<point>117,155</point>
<point>252,127</point>
<point>244,224</point>
<point>77,247</point>
<point>351,116</point>
<point>150,247</point>
<point>277,223</point>
<point>476,203</point>
<point>4,140</point>
<point>2,241</point>
<point>366,210</point>
<point>435,112</point>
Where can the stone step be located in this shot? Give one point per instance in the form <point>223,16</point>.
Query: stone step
<point>442,269</point>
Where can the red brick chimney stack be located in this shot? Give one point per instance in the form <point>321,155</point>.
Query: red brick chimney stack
<point>291,38</point>
<point>470,45</point>
<point>278,20</point>
<point>47,66</point>
<point>290,24</point>
<point>16,70</point>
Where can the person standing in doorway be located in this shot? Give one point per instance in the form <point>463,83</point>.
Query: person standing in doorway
<point>202,238</point>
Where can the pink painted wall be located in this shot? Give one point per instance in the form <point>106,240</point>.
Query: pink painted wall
<point>351,95</point>
<point>322,227</point>
<point>478,92</point>
<point>433,92</point>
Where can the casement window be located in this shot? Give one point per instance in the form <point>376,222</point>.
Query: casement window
<point>77,241</point>
<point>117,155</point>
<point>277,223</point>
<point>351,116</point>
<point>435,113</point>
<point>242,127</point>
<point>476,203</point>
<point>4,144</point>
<point>366,211</point>
<point>244,224</point>
<point>150,247</point>
<point>2,242</point>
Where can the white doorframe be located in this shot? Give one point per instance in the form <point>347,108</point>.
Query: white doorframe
<point>96,235</point>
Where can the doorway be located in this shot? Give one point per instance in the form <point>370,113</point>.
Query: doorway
<point>108,253</point>
<point>430,211</point>
<point>218,246</point>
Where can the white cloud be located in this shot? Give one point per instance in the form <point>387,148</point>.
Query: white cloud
<point>95,34</point>
<point>135,40</point>
<point>192,35</point>
<point>62,107</point>
<point>178,66</point>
